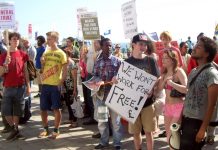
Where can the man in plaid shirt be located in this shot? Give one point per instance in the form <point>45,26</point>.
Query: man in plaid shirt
<point>105,68</point>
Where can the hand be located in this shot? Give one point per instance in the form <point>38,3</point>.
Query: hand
<point>74,93</point>
<point>100,83</point>
<point>42,60</point>
<point>200,136</point>
<point>114,80</point>
<point>28,91</point>
<point>168,80</point>
<point>7,60</point>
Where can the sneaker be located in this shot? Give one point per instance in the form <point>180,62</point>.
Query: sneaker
<point>96,136</point>
<point>54,135</point>
<point>100,146</point>
<point>164,134</point>
<point>43,134</point>
<point>36,96</point>
<point>13,134</point>
<point>210,140</point>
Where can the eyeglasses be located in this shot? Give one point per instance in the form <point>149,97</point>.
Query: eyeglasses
<point>117,47</point>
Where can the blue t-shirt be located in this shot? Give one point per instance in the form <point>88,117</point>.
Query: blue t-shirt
<point>39,52</point>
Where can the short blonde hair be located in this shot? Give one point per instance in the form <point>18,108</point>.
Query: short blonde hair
<point>53,34</point>
<point>166,35</point>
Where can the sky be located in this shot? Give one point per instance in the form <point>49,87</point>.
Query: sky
<point>182,18</point>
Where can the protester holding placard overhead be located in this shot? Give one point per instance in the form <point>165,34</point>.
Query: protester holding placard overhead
<point>146,119</point>
<point>173,80</point>
<point>16,79</point>
<point>166,38</point>
<point>105,68</point>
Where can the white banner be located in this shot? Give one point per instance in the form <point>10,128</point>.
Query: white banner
<point>129,19</point>
<point>129,95</point>
<point>7,16</point>
<point>79,12</point>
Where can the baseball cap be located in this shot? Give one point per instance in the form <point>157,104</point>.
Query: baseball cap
<point>139,37</point>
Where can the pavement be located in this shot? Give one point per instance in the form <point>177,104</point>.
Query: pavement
<point>79,138</point>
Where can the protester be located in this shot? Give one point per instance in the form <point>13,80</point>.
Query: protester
<point>28,48</point>
<point>3,49</point>
<point>146,119</point>
<point>39,52</point>
<point>73,49</point>
<point>166,38</point>
<point>13,69</point>
<point>160,96</point>
<point>173,78</point>
<point>106,67</point>
<point>70,88</point>
<point>201,97</point>
<point>54,64</point>
<point>183,47</point>
<point>91,58</point>
<point>117,51</point>
<point>190,45</point>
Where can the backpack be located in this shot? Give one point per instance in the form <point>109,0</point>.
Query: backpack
<point>31,70</point>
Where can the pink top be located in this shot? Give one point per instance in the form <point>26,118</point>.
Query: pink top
<point>84,72</point>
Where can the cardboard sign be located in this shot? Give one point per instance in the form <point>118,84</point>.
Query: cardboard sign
<point>7,16</point>
<point>90,26</point>
<point>159,45</point>
<point>129,95</point>
<point>129,19</point>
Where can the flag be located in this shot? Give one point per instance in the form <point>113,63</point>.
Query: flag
<point>107,32</point>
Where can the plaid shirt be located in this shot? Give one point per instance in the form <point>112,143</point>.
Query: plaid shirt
<point>106,69</point>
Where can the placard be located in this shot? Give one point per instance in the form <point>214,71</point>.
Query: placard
<point>129,95</point>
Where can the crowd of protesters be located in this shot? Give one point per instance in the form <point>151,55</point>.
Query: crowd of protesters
<point>185,92</point>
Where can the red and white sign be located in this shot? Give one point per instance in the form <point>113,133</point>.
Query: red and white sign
<point>7,16</point>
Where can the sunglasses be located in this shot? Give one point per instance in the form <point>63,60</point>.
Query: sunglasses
<point>117,47</point>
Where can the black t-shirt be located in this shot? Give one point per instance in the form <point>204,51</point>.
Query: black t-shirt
<point>149,65</point>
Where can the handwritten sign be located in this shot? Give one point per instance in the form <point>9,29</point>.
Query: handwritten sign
<point>79,12</point>
<point>129,19</point>
<point>90,26</point>
<point>129,95</point>
<point>7,16</point>
<point>159,45</point>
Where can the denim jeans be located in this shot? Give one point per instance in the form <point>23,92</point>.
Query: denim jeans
<point>116,125</point>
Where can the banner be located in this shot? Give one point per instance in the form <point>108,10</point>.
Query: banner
<point>7,16</point>
<point>90,26</point>
<point>128,96</point>
<point>30,31</point>
<point>79,12</point>
<point>129,19</point>
<point>216,30</point>
<point>159,45</point>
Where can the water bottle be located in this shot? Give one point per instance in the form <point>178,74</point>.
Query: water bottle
<point>102,114</point>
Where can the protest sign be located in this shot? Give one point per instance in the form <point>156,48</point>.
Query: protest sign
<point>93,84</point>
<point>79,12</point>
<point>129,95</point>
<point>159,45</point>
<point>129,19</point>
<point>90,26</point>
<point>7,16</point>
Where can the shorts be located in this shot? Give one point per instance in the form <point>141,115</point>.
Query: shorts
<point>145,120</point>
<point>50,97</point>
<point>173,110</point>
<point>13,101</point>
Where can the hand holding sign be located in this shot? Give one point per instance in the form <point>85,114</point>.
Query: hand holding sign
<point>128,96</point>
